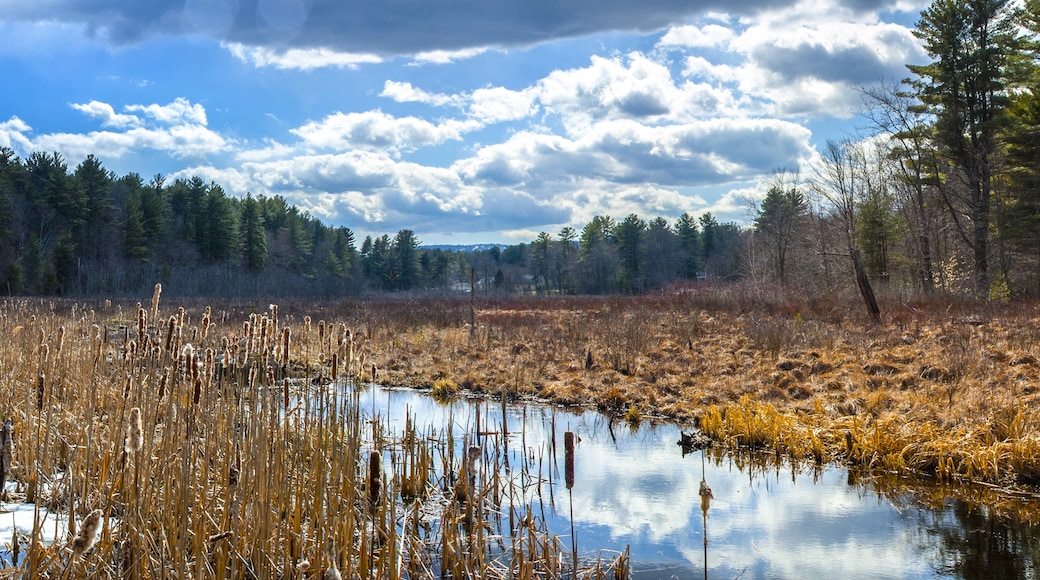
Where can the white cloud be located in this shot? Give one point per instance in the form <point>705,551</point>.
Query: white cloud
<point>447,56</point>
<point>379,131</point>
<point>497,104</point>
<point>107,115</point>
<point>178,129</point>
<point>689,36</point>
<point>299,58</point>
<point>179,112</point>
<point>404,92</point>
<point>13,135</point>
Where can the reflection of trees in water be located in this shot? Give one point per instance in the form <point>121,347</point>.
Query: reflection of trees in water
<point>983,532</point>
<point>968,531</point>
<point>976,544</point>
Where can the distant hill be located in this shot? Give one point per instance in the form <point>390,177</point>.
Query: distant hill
<point>463,247</point>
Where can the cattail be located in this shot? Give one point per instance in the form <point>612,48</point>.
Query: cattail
<point>375,480</point>
<point>235,470</point>
<point>335,366</point>
<point>286,341</point>
<point>134,431</point>
<point>568,456</point>
<point>472,456</point>
<point>155,301</point>
<point>205,323</point>
<point>247,332</point>
<point>332,572</point>
<point>87,533</point>
<point>6,454</point>
<point>162,383</point>
<point>706,496</point>
<point>142,322</point>
<point>40,390</point>
<point>274,319</point>
<point>170,329</point>
<point>61,339</point>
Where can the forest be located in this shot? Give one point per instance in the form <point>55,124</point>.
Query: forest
<point>940,194</point>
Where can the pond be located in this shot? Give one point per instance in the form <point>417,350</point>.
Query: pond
<point>635,488</point>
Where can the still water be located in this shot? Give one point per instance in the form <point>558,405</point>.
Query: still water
<point>635,488</point>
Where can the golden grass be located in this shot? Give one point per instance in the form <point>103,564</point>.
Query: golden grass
<point>948,390</point>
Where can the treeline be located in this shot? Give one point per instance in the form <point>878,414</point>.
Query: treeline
<point>87,231</point>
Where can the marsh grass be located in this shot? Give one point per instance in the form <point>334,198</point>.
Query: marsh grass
<point>926,392</point>
<point>222,442</point>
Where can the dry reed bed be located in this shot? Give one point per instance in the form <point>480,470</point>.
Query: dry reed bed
<point>946,390</point>
<point>179,444</point>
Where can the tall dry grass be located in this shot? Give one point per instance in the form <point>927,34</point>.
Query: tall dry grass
<point>226,442</point>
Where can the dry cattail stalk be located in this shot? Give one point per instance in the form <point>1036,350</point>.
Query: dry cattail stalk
<point>134,431</point>
<point>88,533</point>
<point>568,457</point>
<point>335,367</point>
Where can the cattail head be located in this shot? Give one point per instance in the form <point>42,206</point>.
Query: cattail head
<point>6,452</point>
<point>568,456</point>
<point>332,572</point>
<point>286,343</point>
<point>134,431</point>
<point>155,301</point>
<point>375,480</point>
<point>88,533</point>
<point>40,390</point>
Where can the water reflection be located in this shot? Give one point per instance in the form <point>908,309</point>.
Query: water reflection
<point>637,488</point>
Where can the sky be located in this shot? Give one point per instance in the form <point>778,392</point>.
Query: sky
<point>465,121</point>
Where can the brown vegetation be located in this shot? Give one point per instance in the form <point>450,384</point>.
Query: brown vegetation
<point>944,388</point>
<point>207,442</point>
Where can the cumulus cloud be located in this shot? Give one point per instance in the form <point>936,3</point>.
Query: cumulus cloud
<point>404,92</point>
<point>178,128</point>
<point>107,115</point>
<point>378,130</point>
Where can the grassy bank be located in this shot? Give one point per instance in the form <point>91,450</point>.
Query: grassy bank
<point>946,389</point>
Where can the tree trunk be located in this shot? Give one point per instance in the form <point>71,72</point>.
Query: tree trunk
<point>865,290</point>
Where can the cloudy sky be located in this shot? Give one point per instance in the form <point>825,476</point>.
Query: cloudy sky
<point>462,120</point>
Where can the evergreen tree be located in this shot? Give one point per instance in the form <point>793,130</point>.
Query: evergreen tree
<point>976,46</point>
<point>253,235</point>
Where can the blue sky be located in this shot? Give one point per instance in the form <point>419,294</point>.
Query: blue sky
<point>464,120</point>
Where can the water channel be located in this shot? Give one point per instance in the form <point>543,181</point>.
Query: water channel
<point>636,488</point>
